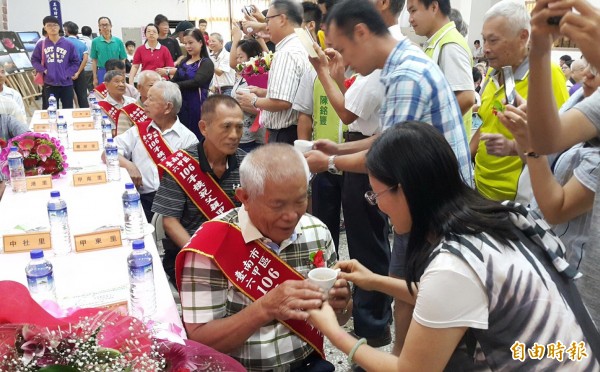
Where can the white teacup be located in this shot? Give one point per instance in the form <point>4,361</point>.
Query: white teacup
<point>303,145</point>
<point>324,277</point>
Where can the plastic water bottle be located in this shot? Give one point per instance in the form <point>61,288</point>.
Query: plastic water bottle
<point>96,114</point>
<point>59,224</point>
<point>52,107</point>
<point>91,99</point>
<point>40,277</point>
<point>142,297</point>
<point>134,214</point>
<point>63,133</point>
<point>16,170</point>
<point>106,129</point>
<point>111,152</point>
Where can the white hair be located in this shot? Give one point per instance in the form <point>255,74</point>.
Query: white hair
<point>514,11</point>
<point>170,93</point>
<point>146,74</point>
<point>273,162</point>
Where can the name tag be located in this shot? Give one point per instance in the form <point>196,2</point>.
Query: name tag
<point>83,125</point>
<point>44,114</point>
<point>39,182</point>
<point>89,178</point>
<point>86,146</point>
<point>83,113</point>
<point>26,242</point>
<point>41,127</point>
<point>98,240</point>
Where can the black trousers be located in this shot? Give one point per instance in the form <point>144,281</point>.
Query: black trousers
<point>327,202</point>
<point>285,135</point>
<point>62,94</point>
<point>80,89</point>
<point>147,200</point>
<point>367,232</point>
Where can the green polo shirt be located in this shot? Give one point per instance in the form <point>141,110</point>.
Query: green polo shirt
<point>103,50</point>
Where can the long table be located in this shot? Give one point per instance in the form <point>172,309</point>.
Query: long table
<point>85,279</point>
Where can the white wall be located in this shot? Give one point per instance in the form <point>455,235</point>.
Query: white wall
<point>27,15</point>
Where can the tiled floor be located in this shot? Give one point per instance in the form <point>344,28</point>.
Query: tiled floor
<point>336,357</point>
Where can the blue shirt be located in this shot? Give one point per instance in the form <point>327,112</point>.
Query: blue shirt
<point>416,89</point>
<point>79,45</point>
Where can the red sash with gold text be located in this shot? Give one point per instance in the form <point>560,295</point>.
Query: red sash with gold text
<point>152,139</point>
<point>111,111</point>
<point>199,186</point>
<point>252,268</point>
<point>101,90</point>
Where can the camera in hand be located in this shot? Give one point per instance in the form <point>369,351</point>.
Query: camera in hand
<point>554,21</point>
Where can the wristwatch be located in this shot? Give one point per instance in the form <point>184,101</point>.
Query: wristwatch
<point>254,101</point>
<point>331,165</point>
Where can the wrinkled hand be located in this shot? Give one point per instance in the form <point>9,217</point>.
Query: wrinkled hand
<point>136,176</point>
<point>292,299</point>
<point>317,161</point>
<point>498,145</point>
<point>326,146</point>
<point>581,27</point>
<point>162,71</point>
<point>257,13</point>
<point>260,92</point>
<point>339,296</point>
<point>324,319</point>
<point>353,271</point>
<point>543,33</point>
<point>236,33</point>
<point>250,27</point>
<point>245,100</point>
<point>515,120</point>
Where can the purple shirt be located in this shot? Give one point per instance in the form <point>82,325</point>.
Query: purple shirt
<point>61,61</point>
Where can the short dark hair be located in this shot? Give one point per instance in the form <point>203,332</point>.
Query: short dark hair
<point>50,19</point>
<point>129,42</point>
<point>160,18</point>
<point>476,75</point>
<point>251,47</point>
<point>209,107</point>
<point>112,74</point>
<point>71,28</point>
<point>312,13</point>
<point>396,6</point>
<point>348,13</point>
<point>108,19</point>
<point>114,64</point>
<point>477,42</point>
<point>290,8</point>
<point>443,4</point>
<point>565,57</point>
<point>196,34</point>
<point>86,31</point>
<point>202,20</point>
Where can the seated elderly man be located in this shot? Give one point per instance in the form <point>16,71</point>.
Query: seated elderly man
<point>146,79</point>
<point>118,65</point>
<point>182,201</point>
<point>115,100</point>
<point>241,275</point>
<point>9,107</point>
<point>12,94</point>
<point>149,142</point>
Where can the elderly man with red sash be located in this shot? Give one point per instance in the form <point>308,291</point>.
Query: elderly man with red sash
<point>241,276</point>
<point>115,100</point>
<point>205,186</point>
<point>156,134</point>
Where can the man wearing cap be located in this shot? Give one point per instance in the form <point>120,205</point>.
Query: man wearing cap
<point>58,61</point>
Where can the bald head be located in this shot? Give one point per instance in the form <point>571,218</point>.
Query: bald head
<point>577,70</point>
<point>275,163</point>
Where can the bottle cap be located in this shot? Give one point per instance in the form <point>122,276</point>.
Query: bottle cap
<point>104,117</point>
<point>110,140</point>
<point>55,194</point>
<point>129,186</point>
<point>51,95</point>
<point>61,117</point>
<point>138,244</point>
<point>36,253</point>
<point>14,148</point>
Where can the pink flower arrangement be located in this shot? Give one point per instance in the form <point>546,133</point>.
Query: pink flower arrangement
<point>42,154</point>
<point>256,65</point>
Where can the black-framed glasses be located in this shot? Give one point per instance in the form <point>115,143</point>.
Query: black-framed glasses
<point>371,196</point>
<point>273,16</point>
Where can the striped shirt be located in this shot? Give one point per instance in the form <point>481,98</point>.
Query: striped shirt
<point>289,63</point>
<point>206,294</point>
<point>172,201</point>
<point>416,89</point>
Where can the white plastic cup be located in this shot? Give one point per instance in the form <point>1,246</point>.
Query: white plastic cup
<point>324,277</point>
<point>303,145</point>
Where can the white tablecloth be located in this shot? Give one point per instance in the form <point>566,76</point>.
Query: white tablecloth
<point>83,279</point>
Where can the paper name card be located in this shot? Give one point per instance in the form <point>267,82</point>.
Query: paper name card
<point>89,178</point>
<point>26,242</point>
<point>41,128</point>
<point>83,113</point>
<point>86,146</point>
<point>44,114</point>
<point>98,240</point>
<point>39,182</point>
<point>83,125</point>
<point>307,41</point>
